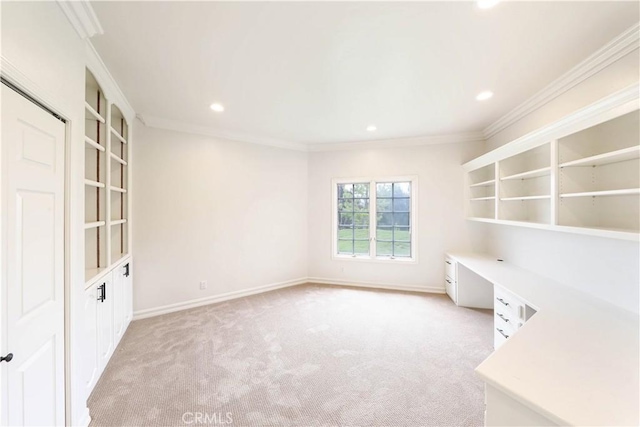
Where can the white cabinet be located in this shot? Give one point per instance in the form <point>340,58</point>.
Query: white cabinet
<point>107,314</point>
<point>105,320</point>
<point>450,278</point>
<point>580,174</point>
<point>509,314</point>
<point>466,288</point>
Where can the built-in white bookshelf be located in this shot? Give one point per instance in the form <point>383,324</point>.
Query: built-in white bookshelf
<point>106,181</point>
<point>580,174</point>
<point>525,186</point>
<point>482,192</point>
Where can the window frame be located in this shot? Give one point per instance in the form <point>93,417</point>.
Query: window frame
<point>372,256</point>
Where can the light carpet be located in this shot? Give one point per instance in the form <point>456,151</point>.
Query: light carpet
<point>310,355</point>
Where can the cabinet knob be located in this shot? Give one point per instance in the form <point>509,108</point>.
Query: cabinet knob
<point>7,358</point>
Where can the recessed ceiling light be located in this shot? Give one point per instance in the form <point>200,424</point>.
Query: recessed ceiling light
<point>483,96</point>
<point>487,4</point>
<point>371,128</point>
<point>218,108</point>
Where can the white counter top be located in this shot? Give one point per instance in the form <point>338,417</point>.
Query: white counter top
<point>576,361</point>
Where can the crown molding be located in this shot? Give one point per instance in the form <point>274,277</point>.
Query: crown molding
<point>108,84</point>
<point>400,142</point>
<point>82,17</point>
<point>179,126</point>
<point>617,48</point>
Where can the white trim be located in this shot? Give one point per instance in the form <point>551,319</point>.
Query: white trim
<point>607,108</point>
<point>157,311</point>
<point>82,17</point>
<point>178,126</point>
<point>617,48</point>
<point>376,285</point>
<point>108,84</point>
<point>185,305</point>
<point>400,142</point>
<point>372,257</point>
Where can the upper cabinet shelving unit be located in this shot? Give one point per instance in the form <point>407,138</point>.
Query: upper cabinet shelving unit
<point>580,174</point>
<point>107,173</point>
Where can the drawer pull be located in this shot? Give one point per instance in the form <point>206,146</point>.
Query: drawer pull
<point>448,262</point>
<point>448,281</point>
<point>502,301</point>
<point>500,315</point>
<point>502,333</point>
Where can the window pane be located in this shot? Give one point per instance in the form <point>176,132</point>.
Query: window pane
<point>384,190</point>
<point>401,219</point>
<point>361,190</point>
<point>345,205</point>
<point>401,205</point>
<point>383,205</point>
<point>361,233</point>
<point>361,247</point>
<point>361,205</point>
<point>402,234</point>
<point>402,249</point>
<point>345,191</point>
<point>385,219</point>
<point>345,219</point>
<point>402,189</point>
<point>384,248</point>
<point>345,233</point>
<point>384,233</point>
<point>345,246</point>
<point>361,219</point>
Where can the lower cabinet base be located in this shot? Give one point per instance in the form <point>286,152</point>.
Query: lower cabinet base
<point>502,410</point>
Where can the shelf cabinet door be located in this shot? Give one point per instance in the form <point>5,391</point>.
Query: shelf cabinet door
<point>90,360</point>
<point>128,294</point>
<point>118,303</point>
<point>105,322</point>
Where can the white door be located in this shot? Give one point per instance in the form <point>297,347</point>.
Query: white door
<point>32,195</point>
<point>118,304</point>
<point>105,321</point>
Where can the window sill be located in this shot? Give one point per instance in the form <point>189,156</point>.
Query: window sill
<point>383,260</point>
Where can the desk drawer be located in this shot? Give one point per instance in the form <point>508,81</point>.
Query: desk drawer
<point>508,305</point>
<point>501,334</point>
<point>452,289</point>
<point>450,268</point>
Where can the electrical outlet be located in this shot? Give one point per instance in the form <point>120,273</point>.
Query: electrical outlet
<point>203,285</point>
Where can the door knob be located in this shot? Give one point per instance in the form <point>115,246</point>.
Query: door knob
<point>7,358</point>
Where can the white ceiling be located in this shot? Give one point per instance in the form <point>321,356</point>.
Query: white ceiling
<point>321,72</point>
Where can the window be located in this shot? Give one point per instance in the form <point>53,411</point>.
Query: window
<point>374,219</point>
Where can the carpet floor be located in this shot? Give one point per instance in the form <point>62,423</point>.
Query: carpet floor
<point>310,355</point>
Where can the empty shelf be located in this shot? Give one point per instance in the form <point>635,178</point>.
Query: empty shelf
<point>118,189</point>
<point>93,114</point>
<point>118,159</point>
<point>625,192</point>
<point>484,183</point>
<point>118,221</point>
<point>475,199</point>
<point>507,199</point>
<point>630,153</point>
<point>118,136</point>
<point>95,224</point>
<point>94,144</point>
<point>529,174</point>
<point>91,183</point>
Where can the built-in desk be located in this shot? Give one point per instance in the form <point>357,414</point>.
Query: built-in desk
<point>575,362</point>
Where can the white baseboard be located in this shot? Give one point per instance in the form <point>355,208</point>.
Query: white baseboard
<point>157,311</point>
<point>376,285</point>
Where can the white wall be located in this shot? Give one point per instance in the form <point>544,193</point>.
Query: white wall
<point>38,40</point>
<point>441,225</point>
<point>231,213</point>
<point>606,268</point>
